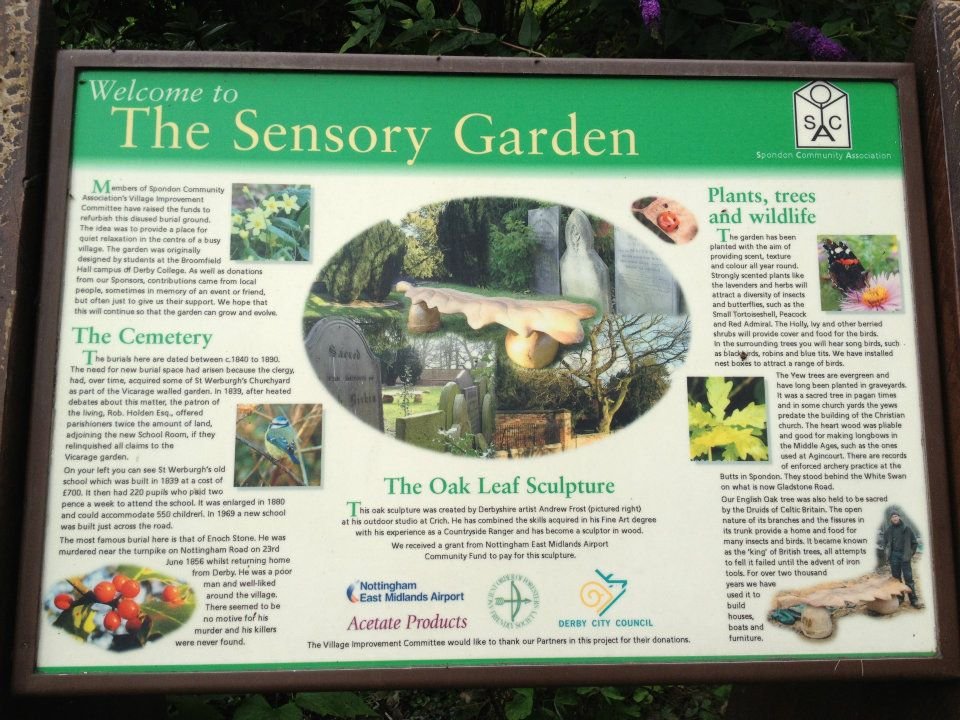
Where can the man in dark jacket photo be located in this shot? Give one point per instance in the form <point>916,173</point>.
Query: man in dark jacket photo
<point>900,544</point>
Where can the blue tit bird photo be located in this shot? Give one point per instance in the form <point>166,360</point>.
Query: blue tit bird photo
<point>281,442</point>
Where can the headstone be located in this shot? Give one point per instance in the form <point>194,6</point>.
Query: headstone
<point>387,399</point>
<point>582,273</point>
<point>343,361</point>
<point>643,282</point>
<point>482,385</point>
<point>447,394</point>
<point>473,407</point>
<point>461,416</point>
<point>488,419</point>
<point>545,223</point>
<point>421,429</point>
<point>418,397</point>
<point>465,379</point>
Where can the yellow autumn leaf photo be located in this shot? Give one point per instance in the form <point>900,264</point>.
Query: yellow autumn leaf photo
<point>727,419</point>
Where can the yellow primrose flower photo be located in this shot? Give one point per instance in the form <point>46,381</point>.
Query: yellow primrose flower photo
<point>270,222</point>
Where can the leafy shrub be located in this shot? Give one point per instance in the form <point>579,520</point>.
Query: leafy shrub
<point>424,258</point>
<point>367,266</point>
<point>463,241</point>
<point>752,30</point>
<point>463,236</point>
<point>400,363</point>
<point>512,252</point>
<point>294,25</point>
<point>791,29</point>
<point>646,389</point>
<point>656,702</point>
<point>545,389</point>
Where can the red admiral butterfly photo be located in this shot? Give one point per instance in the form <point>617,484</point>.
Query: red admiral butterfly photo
<point>860,273</point>
<point>846,271</point>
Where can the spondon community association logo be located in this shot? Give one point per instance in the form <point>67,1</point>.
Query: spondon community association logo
<point>513,601</point>
<point>398,591</point>
<point>821,116</point>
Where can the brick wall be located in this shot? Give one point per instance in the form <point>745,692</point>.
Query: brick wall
<point>437,376</point>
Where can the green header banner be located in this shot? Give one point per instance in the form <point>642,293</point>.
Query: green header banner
<point>418,122</point>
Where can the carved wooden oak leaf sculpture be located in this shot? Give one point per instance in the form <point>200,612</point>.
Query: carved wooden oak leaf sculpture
<point>878,592</point>
<point>864,590</point>
<point>535,328</point>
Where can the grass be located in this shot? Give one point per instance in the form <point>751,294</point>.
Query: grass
<point>317,307</point>
<point>391,411</point>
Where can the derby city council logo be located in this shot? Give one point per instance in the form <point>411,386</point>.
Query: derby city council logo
<point>603,594</point>
<point>513,601</point>
<point>821,116</point>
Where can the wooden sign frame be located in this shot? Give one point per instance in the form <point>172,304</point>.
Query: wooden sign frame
<point>944,663</point>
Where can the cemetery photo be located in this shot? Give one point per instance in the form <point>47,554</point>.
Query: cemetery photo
<point>270,222</point>
<point>860,273</point>
<point>278,446</point>
<point>496,327</point>
<point>727,418</point>
<point>666,218</point>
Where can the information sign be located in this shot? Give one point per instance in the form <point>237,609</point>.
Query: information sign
<point>361,371</point>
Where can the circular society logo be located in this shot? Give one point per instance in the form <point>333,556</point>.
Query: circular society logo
<point>352,594</point>
<point>513,601</point>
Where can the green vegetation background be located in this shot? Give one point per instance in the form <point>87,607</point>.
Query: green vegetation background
<point>870,30</point>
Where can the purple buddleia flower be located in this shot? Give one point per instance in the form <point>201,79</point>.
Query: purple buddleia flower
<point>650,14</point>
<point>816,43</point>
<point>823,48</point>
<point>802,34</point>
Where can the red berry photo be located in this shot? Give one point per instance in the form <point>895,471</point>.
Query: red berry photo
<point>120,608</point>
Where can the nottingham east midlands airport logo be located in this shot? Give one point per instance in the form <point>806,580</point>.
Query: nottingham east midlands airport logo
<point>821,116</point>
<point>513,601</point>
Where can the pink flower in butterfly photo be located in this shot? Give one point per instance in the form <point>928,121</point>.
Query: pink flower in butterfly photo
<point>882,293</point>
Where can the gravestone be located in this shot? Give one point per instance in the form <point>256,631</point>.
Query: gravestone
<point>582,273</point>
<point>447,394</point>
<point>346,366</point>
<point>422,429</point>
<point>465,379</point>
<point>643,282</point>
<point>488,419</point>
<point>461,415</point>
<point>482,385</point>
<point>473,407</point>
<point>545,223</point>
